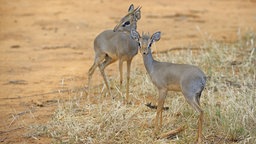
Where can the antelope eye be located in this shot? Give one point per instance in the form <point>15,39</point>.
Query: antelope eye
<point>139,44</point>
<point>126,23</point>
<point>150,45</point>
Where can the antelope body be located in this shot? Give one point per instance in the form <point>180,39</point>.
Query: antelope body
<point>188,79</point>
<point>113,45</point>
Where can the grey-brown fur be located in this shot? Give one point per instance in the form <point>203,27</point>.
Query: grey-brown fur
<point>188,79</point>
<point>113,45</point>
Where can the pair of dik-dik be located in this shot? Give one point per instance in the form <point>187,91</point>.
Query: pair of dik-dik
<point>123,43</point>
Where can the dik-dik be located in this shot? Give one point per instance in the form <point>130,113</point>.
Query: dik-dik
<point>188,79</point>
<point>117,44</point>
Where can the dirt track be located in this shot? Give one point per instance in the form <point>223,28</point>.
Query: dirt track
<point>48,45</point>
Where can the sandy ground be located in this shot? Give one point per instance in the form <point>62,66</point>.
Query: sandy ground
<point>47,45</point>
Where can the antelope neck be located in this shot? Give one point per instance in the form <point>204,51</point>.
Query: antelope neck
<point>148,61</point>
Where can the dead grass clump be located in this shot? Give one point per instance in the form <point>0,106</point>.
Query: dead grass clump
<point>228,101</point>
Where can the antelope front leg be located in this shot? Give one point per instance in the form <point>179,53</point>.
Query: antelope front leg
<point>159,109</point>
<point>162,95</point>
<point>128,80</point>
<point>121,72</point>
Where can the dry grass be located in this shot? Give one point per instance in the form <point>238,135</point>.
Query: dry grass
<point>228,101</point>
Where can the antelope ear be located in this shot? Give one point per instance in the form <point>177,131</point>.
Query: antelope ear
<point>156,36</point>
<point>137,13</point>
<point>134,34</point>
<point>131,8</point>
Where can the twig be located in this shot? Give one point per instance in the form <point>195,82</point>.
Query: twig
<point>58,47</point>
<point>170,133</point>
<point>2,132</point>
<point>24,112</point>
<point>47,93</point>
<point>3,139</point>
<point>155,107</point>
<point>180,48</point>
